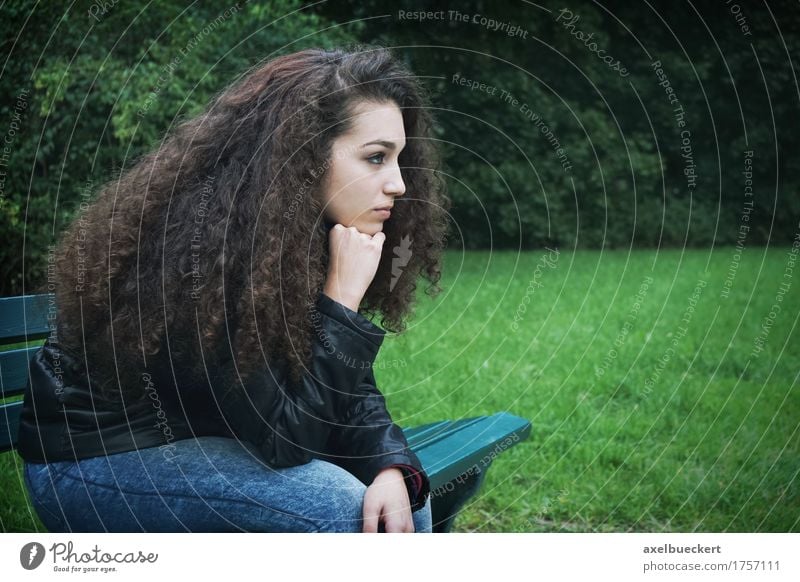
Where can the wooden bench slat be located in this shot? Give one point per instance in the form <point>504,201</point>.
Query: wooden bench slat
<point>25,317</point>
<point>9,425</point>
<point>14,370</point>
<point>442,431</point>
<point>446,459</point>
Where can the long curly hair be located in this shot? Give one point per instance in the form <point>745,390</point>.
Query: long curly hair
<point>214,246</point>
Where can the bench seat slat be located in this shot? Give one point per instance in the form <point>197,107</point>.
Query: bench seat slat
<point>443,431</point>
<point>446,459</point>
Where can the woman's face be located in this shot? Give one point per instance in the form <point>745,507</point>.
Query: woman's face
<point>364,174</point>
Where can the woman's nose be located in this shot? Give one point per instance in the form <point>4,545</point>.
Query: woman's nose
<point>394,185</point>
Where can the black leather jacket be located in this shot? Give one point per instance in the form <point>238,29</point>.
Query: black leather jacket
<point>338,414</point>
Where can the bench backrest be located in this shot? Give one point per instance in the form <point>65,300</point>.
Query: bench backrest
<point>28,319</point>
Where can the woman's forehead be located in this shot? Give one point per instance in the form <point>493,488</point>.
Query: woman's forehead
<point>377,122</point>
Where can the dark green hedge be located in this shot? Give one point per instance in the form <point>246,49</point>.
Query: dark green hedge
<point>548,140</point>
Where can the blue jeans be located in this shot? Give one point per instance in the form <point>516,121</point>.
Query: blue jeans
<point>205,484</point>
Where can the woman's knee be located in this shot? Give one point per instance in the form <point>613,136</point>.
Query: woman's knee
<point>314,497</point>
<point>339,502</point>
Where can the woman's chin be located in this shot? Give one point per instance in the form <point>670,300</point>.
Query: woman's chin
<point>370,228</point>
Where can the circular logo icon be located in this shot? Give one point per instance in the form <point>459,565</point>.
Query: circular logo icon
<point>31,555</point>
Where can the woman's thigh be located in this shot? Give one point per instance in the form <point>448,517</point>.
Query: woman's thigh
<point>203,484</point>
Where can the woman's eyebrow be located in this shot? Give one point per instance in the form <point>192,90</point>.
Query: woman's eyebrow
<point>385,143</point>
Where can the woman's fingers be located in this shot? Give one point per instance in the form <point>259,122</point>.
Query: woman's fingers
<point>386,500</point>
<point>396,517</point>
<point>372,514</point>
<point>398,522</point>
<point>354,259</point>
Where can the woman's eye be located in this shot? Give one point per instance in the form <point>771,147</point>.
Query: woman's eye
<point>372,159</point>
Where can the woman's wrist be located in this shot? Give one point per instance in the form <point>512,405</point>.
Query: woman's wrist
<point>348,299</point>
<point>393,471</point>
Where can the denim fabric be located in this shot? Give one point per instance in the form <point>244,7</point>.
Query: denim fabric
<point>205,484</point>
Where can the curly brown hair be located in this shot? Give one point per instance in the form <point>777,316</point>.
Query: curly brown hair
<point>213,246</point>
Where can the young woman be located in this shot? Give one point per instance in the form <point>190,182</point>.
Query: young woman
<point>211,369</point>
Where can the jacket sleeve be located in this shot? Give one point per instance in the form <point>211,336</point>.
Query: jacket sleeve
<point>290,427</point>
<point>367,441</point>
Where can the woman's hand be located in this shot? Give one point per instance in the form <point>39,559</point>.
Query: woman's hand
<point>387,500</point>
<point>354,259</point>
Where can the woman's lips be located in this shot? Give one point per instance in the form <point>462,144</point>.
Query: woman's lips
<point>383,213</point>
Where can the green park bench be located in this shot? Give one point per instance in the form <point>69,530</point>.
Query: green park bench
<point>455,454</point>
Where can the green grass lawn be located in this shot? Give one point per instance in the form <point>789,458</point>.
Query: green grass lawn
<point>663,394</point>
